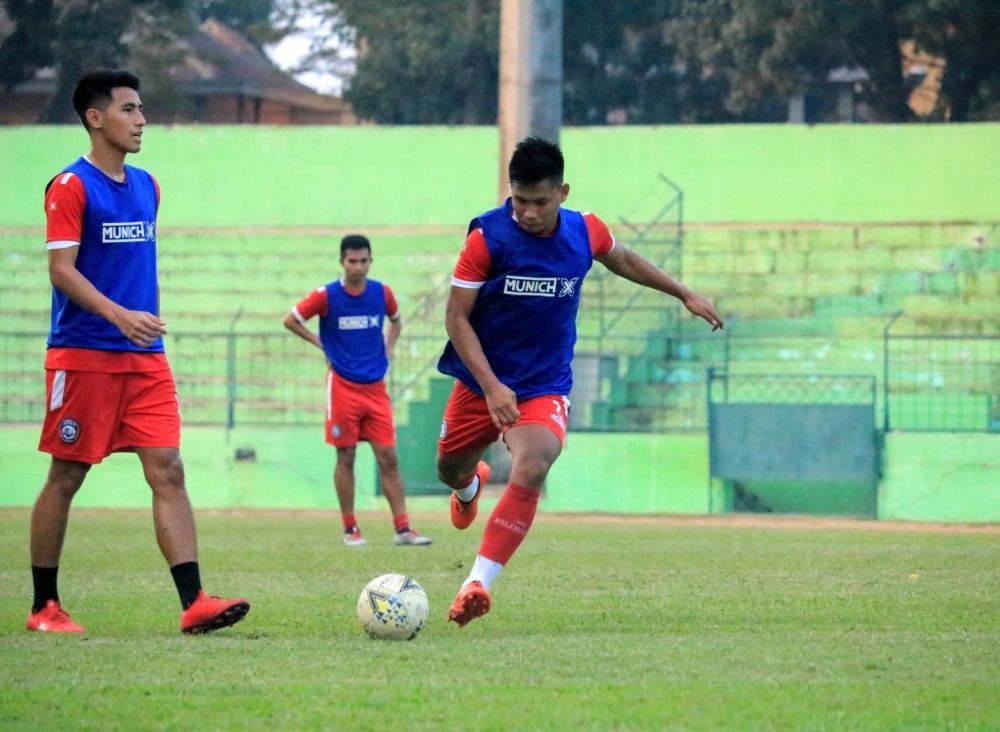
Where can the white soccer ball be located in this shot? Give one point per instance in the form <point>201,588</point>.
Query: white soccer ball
<point>393,607</point>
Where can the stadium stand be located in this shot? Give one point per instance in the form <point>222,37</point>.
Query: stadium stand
<point>799,299</point>
<point>817,300</point>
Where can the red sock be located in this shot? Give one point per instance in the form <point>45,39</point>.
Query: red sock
<point>349,521</point>
<point>401,522</point>
<point>509,523</point>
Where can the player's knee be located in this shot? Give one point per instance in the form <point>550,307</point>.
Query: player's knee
<point>387,459</point>
<point>67,479</point>
<point>445,471</point>
<point>166,474</point>
<point>531,470</point>
<point>345,457</point>
<point>452,473</point>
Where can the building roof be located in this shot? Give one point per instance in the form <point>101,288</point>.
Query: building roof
<point>221,61</point>
<point>215,60</point>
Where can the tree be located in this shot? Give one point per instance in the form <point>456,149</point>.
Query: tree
<point>28,47</point>
<point>656,61</point>
<point>767,51</point>
<point>251,18</point>
<point>145,36</point>
<point>76,35</point>
<point>115,33</point>
<point>966,34</point>
<point>419,63</point>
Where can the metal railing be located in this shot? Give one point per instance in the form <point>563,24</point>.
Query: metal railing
<point>939,383</point>
<point>942,383</point>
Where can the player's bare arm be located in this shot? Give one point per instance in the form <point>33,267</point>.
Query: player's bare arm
<point>501,401</point>
<point>628,264</point>
<point>392,335</point>
<point>293,324</point>
<point>140,327</point>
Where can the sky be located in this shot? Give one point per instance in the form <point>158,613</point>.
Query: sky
<point>294,48</point>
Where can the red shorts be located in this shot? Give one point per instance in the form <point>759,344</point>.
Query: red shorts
<point>91,414</point>
<point>467,423</point>
<point>358,412</point>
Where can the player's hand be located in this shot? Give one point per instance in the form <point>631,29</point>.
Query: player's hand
<point>703,308</point>
<point>140,327</point>
<point>502,403</point>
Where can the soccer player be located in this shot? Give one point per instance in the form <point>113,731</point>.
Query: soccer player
<point>511,322</point>
<point>352,312</point>
<point>109,387</point>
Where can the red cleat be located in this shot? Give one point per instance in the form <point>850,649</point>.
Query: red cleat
<point>472,601</point>
<point>53,619</point>
<point>462,513</point>
<point>210,612</point>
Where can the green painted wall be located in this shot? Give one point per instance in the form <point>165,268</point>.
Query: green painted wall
<point>941,477</point>
<point>378,176</point>
<point>928,477</point>
<point>293,469</point>
<point>630,473</point>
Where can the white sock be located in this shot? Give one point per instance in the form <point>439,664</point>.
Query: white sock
<point>469,492</point>
<point>484,570</point>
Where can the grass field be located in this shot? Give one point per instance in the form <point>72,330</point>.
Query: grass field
<point>597,624</point>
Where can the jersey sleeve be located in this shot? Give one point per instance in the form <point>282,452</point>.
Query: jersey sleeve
<point>65,201</point>
<point>313,304</point>
<point>601,240</point>
<point>473,268</point>
<point>391,306</point>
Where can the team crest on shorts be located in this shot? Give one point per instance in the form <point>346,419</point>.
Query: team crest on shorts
<point>69,431</point>
<point>335,431</point>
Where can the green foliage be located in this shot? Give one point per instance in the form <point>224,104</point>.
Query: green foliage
<point>145,36</point>
<point>27,47</point>
<point>673,60</point>
<point>965,35</point>
<point>420,63</point>
<point>596,624</point>
<point>107,33</point>
<point>251,18</point>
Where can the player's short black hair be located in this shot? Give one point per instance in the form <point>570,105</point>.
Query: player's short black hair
<point>354,241</point>
<point>93,90</point>
<point>535,160</point>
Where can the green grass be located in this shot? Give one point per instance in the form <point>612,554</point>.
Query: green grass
<point>596,625</point>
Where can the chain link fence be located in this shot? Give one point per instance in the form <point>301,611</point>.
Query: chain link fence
<point>935,383</point>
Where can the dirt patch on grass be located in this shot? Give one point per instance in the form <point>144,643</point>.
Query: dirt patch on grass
<point>771,521</point>
<point>742,520</point>
<point>738,521</point>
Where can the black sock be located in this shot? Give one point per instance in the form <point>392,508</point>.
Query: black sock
<point>188,581</point>
<point>44,579</point>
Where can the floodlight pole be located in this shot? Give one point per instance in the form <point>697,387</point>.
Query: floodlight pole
<point>530,101</point>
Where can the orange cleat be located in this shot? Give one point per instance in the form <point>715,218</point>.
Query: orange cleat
<point>462,513</point>
<point>472,601</point>
<point>210,612</point>
<point>53,619</point>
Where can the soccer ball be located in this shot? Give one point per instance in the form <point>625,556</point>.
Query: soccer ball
<point>393,607</point>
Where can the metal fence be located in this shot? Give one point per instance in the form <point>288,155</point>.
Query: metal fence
<point>931,383</point>
<point>723,387</point>
<point>637,366</point>
<point>222,378</point>
<point>935,383</point>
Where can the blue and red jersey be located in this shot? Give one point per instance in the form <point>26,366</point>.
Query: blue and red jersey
<point>114,225</point>
<point>350,327</point>
<point>529,295</point>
